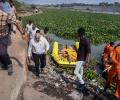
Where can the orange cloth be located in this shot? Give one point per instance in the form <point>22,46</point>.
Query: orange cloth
<point>108,50</point>
<point>116,59</point>
<point>111,75</point>
<point>116,67</point>
<point>117,91</point>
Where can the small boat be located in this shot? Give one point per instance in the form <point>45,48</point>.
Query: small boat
<point>56,54</point>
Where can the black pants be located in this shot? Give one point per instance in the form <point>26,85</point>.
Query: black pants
<point>5,60</point>
<point>40,61</point>
<point>9,28</point>
<point>4,57</point>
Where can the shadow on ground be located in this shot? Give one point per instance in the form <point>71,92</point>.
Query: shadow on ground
<point>2,66</point>
<point>32,69</point>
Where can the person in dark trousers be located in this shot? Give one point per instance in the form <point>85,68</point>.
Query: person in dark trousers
<point>6,19</point>
<point>83,55</point>
<point>46,33</point>
<point>38,48</point>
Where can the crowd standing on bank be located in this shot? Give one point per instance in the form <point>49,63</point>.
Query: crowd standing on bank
<point>38,46</point>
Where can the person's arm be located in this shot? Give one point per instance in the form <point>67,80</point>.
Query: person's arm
<point>13,21</point>
<point>20,29</point>
<point>114,58</point>
<point>30,49</point>
<point>88,57</point>
<point>47,46</point>
<point>29,57</point>
<point>26,28</point>
<point>48,38</point>
<point>28,36</point>
<point>15,11</point>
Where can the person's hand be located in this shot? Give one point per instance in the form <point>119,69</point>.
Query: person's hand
<point>29,60</point>
<point>45,53</point>
<point>108,67</point>
<point>24,37</point>
<point>69,59</point>
<point>86,64</point>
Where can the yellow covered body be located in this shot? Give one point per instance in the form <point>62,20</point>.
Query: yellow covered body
<point>57,58</point>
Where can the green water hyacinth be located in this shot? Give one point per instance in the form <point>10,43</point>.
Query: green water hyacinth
<point>64,23</point>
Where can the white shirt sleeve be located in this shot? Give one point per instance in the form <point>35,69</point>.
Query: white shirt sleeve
<point>30,49</point>
<point>37,28</point>
<point>27,27</point>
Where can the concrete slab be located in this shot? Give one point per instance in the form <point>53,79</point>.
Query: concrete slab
<point>10,85</point>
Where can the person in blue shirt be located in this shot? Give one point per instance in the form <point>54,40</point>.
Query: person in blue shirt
<point>5,6</point>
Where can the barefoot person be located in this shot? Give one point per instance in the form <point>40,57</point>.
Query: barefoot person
<point>83,55</point>
<point>38,48</point>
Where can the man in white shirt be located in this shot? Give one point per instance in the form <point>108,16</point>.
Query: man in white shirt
<point>33,31</point>
<point>38,48</point>
<point>29,27</point>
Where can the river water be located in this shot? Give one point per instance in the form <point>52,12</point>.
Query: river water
<point>96,50</point>
<point>99,9</point>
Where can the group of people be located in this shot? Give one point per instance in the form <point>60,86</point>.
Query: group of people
<point>31,30</point>
<point>110,60</point>
<point>37,40</point>
<point>38,45</point>
<point>111,63</point>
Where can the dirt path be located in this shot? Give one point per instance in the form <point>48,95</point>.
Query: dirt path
<point>29,13</point>
<point>10,85</point>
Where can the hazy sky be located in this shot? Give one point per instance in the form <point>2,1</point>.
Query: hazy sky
<point>67,1</point>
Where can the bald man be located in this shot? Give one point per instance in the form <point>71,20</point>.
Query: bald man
<point>38,48</point>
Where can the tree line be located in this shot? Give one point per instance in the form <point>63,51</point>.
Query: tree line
<point>117,4</point>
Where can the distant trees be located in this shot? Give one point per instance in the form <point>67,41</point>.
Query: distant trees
<point>109,4</point>
<point>104,4</point>
<point>117,4</point>
<point>70,5</point>
<point>82,4</point>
